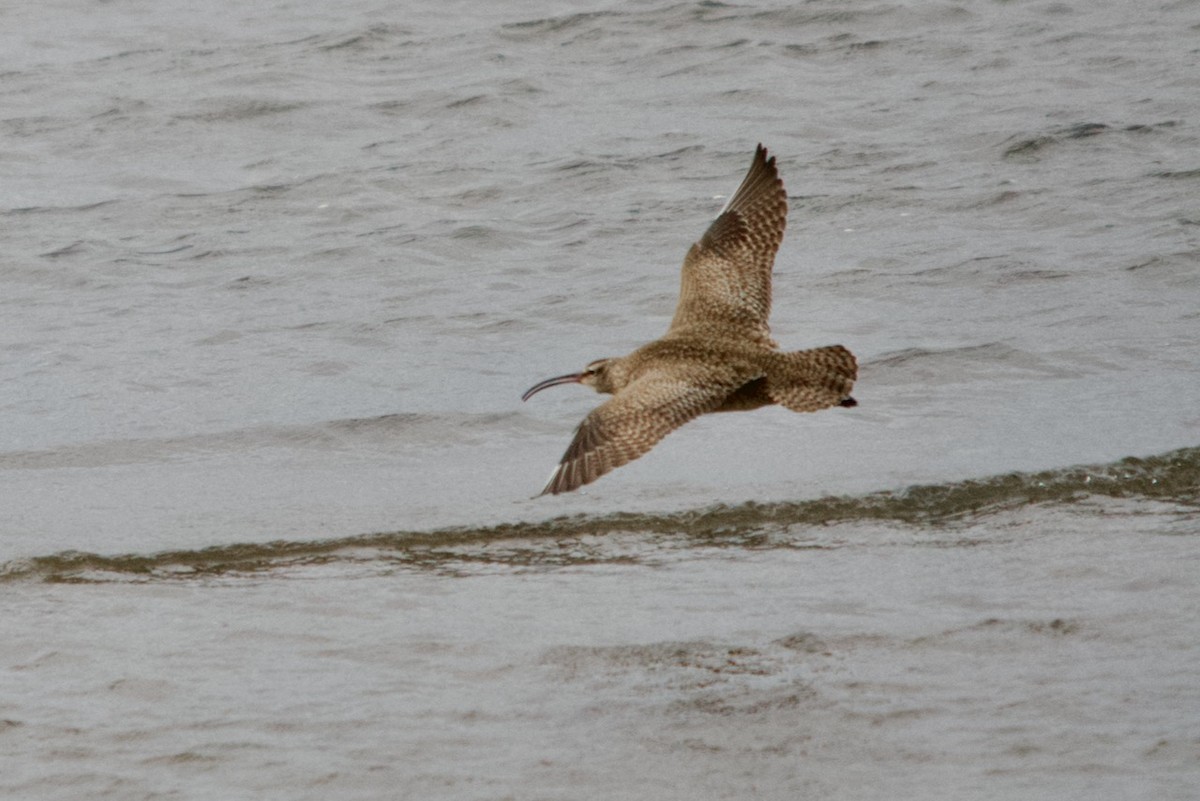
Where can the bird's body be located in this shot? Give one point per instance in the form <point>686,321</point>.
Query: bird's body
<point>717,355</point>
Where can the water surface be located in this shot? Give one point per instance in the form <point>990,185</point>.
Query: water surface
<point>275,278</point>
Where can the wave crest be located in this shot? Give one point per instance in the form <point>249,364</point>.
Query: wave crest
<point>1172,477</point>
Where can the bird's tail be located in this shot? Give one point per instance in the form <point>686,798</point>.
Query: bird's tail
<point>809,380</point>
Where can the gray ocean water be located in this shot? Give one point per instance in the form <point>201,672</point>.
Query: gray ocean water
<point>274,278</point>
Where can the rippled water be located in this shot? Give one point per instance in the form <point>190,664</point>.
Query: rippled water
<point>1173,479</point>
<point>275,278</point>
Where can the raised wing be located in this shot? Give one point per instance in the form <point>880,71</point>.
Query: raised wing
<point>632,422</point>
<point>727,274</point>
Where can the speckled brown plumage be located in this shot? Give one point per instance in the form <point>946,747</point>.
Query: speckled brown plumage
<point>718,354</point>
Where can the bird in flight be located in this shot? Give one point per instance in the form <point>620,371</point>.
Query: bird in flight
<point>717,355</point>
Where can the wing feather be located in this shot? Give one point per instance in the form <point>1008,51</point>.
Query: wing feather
<point>631,423</point>
<point>726,277</point>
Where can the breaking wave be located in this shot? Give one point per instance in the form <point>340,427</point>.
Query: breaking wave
<point>1172,477</point>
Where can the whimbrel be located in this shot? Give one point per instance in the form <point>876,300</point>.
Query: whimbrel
<point>717,356</point>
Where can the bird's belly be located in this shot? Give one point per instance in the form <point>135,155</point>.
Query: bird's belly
<point>751,395</point>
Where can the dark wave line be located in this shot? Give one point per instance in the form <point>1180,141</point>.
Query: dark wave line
<point>1171,477</point>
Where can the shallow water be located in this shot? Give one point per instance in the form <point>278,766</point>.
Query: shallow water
<point>276,277</point>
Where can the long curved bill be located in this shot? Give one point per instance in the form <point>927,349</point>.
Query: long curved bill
<point>569,378</point>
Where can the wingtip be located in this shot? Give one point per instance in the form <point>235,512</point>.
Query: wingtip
<point>762,154</point>
<point>551,487</point>
<point>764,164</point>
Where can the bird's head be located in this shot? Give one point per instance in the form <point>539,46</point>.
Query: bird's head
<point>596,375</point>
